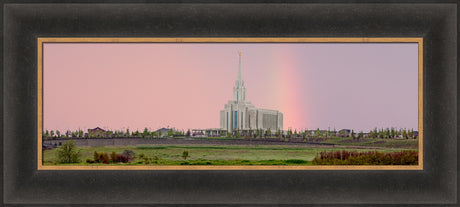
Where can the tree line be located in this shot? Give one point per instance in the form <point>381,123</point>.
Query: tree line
<point>146,133</point>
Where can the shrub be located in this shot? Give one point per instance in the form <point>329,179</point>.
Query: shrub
<point>185,155</point>
<point>89,160</point>
<point>141,156</point>
<point>366,158</point>
<point>102,157</point>
<point>122,158</point>
<point>68,153</point>
<point>113,157</point>
<point>129,154</point>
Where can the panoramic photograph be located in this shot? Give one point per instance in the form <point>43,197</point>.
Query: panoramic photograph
<point>230,104</point>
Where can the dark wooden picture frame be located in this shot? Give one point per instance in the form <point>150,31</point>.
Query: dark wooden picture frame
<point>23,23</point>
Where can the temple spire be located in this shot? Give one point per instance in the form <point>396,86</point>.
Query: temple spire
<point>239,69</point>
<point>239,91</point>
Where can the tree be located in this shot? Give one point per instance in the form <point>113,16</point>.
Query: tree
<point>360,134</point>
<point>289,134</point>
<point>80,133</point>
<point>392,132</point>
<point>237,133</point>
<point>58,133</point>
<point>317,132</point>
<point>185,155</point>
<point>145,133</point>
<point>371,133</point>
<point>47,133</point>
<point>159,133</point>
<point>68,133</point>
<point>68,153</point>
<point>295,133</point>
<point>381,133</point>
<point>411,133</point>
<point>127,133</point>
<point>352,134</point>
<point>170,133</point>
<point>52,133</point>
<point>136,133</point>
<point>269,132</point>
<point>188,133</point>
<point>387,133</point>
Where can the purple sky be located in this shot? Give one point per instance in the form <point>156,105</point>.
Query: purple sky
<point>184,85</point>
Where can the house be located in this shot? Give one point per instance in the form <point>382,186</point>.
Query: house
<point>96,132</point>
<point>344,132</point>
<point>164,132</point>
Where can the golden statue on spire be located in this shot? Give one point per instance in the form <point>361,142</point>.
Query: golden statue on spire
<point>239,53</point>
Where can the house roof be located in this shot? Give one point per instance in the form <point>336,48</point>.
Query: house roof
<point>162,130</point>
<point>97,128</point>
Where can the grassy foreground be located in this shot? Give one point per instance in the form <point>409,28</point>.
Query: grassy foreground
<point>208,154</point>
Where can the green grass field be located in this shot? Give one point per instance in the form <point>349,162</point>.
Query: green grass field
<point>210,154</point>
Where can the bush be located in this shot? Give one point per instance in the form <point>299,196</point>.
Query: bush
<point>185,155</point>
<point>113,157</point>
<point>366,158</point>
<point>68,153</point>
<point>122,158</point>
<point>102,157</point>
<point>141,156</point>
<point>129,154</point>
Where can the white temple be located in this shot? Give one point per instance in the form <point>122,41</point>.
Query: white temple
<point>240,114</point>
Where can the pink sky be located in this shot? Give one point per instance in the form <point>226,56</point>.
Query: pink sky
<point>184,85</point>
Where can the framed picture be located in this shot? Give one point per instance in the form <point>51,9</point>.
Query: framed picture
<point>247,137</point>
<point>33,32</point>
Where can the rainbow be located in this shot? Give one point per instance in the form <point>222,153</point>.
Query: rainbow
<point>287,87</point>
